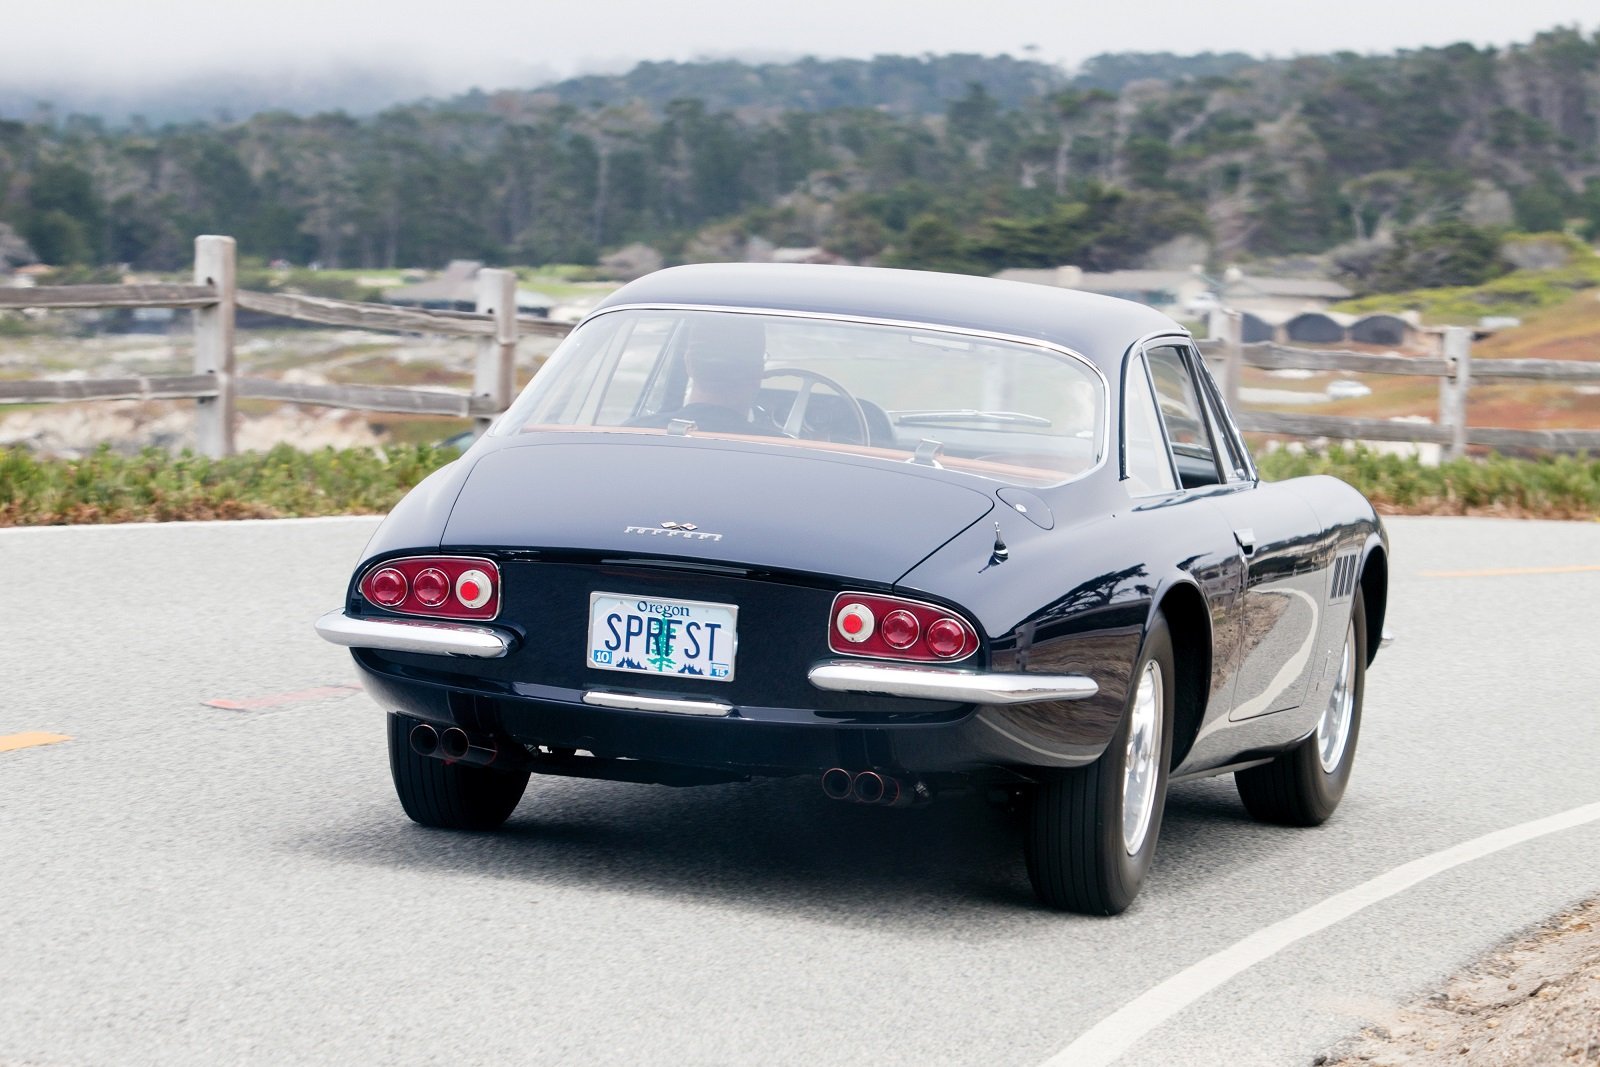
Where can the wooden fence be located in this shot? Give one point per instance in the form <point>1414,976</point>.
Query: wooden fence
<point>215,386</point>
<point>1454,368</point>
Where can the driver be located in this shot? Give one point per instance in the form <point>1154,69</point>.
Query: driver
<point>724,357</point>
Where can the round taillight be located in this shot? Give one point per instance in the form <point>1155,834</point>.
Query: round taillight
<point>432,586</point>
<point>855,623</point>
<point>946,638</point>
<point>900,629</point>
<point>387,587</point>
<point>473,588</point>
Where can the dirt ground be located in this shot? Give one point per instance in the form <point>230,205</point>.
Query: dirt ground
<point>1535,1001</point>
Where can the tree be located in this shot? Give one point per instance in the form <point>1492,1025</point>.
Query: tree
<point>1447,253</point>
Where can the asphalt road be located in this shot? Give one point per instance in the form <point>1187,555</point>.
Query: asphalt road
<point>186,883</point>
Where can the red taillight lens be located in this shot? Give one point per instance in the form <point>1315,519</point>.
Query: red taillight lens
<point>431,587</point>
<point>388,587</point>
<point>900,629</point>
<point>443,587</point>
<point>945,637</point>
<point>866,624</point>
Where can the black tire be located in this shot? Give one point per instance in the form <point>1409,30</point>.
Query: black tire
<point>449,796</point>
<point>1073,841</point>
<point>1294,789</point>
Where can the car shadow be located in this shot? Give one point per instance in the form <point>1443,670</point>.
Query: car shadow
<point>775,845</point>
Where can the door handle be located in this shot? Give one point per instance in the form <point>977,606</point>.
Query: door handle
<point>1247,541</point>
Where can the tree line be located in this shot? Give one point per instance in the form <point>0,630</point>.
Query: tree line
<point>1256,158</point>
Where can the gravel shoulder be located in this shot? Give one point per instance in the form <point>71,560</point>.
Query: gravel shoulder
<point>1535,1000</point>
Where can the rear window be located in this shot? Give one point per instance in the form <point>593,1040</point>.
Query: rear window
<point>1006,410</point>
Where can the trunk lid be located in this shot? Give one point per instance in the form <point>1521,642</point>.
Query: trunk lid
<point>722,502</point>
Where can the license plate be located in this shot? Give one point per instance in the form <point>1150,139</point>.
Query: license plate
<point>648,635</point>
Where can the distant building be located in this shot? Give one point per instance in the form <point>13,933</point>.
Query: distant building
<point>1381,329</point>
<point>1190,294</point>
<point>1171,291</point>
<point>456,289</point>
<point>1318,327</point>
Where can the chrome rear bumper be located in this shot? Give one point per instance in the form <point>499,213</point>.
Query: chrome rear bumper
<point>946,683</point>
<point>433,636</point>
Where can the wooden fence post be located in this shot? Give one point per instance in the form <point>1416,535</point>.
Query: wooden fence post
<point>214,265</point>
<point>492,378</point>
<point>1453,390</point>
<point>1227,326</point>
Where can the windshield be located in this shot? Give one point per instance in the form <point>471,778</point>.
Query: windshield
<point>1000,409</point>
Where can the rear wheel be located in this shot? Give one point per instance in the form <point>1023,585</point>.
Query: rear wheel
<point>1091,831</point>
<point>449,795</point>
<point>1303,786</point>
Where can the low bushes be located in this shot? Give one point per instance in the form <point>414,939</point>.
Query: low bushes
<point>155,486</point>
<point>1555,487</point>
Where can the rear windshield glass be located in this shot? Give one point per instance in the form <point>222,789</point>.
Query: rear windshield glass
<point>1009,411</point>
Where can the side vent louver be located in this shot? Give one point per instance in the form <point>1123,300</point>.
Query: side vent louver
<point>1344,576</point>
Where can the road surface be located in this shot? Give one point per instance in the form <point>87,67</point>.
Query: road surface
<point>202,860</point>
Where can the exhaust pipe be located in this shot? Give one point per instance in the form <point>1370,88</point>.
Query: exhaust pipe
<point>836,783</point>
<point>873,787</point>
<point>424,739</point>
<point>870,787</point>
<point>457,746</point>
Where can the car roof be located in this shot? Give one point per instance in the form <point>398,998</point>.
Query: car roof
<point>1099,327</point>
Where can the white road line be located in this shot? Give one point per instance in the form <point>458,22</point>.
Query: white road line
<point>1108,1039</point>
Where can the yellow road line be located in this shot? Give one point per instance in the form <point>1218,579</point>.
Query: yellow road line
<point>12,742</point>
<point>1507,572</point>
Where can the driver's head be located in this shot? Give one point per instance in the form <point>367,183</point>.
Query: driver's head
<point>725,358</point>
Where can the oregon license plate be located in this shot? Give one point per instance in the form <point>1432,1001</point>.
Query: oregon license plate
<point>648,635</point>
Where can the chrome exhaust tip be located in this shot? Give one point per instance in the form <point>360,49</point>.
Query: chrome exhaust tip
<point>836,783</point>
<point>458,746</point>
<point>869,787</point>
<point>424,739</point>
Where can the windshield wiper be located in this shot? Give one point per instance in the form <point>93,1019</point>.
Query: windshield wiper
<point>917,418</point>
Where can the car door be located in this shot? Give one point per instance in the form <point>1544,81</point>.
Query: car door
<point>1277,535</point>
<point>1173,512</point>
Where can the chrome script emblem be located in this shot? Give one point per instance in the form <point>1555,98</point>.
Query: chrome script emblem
<point>674,529</point>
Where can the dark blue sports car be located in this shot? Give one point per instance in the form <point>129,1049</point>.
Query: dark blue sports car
<point>906,533</point>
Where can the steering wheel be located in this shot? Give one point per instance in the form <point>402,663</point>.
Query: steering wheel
<point>809,380</point>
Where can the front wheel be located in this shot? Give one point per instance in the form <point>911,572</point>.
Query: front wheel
<point>1304,785</point>
<point>1091,831</point>
<point>449,795</point>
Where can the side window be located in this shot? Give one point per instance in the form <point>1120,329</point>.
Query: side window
<point>1145,462</point>
<point>1178,400</point>
<point>1230,446</point>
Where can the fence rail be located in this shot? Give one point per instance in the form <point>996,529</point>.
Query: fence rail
<point>1455,369</point>
<point>214,385</point>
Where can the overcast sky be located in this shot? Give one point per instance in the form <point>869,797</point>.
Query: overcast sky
<point>454,44</point>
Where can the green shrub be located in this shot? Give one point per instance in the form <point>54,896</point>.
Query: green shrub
<point>155,486</point>
<point>1553,487</point>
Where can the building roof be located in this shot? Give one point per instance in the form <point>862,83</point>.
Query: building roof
<point>458,285</point>
<point>1310,288</point>
<point>1115,281</point>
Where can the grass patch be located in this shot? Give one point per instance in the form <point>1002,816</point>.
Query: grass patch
<point>155,486</point>
<point>1556,487</point>
<point>1517,295</point>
